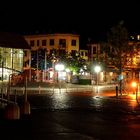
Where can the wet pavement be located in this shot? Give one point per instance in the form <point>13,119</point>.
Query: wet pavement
<point>76,116</point>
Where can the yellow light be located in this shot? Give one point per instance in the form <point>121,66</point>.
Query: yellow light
<point>134,84</point>
<point>133,96</point>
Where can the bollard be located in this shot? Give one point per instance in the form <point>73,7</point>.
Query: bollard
<point>12,112</point>
<point>117,91</point>
<point>25,109</point>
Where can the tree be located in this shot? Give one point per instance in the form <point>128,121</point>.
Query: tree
<point>118,49</point>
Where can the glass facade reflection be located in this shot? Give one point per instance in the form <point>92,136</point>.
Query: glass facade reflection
<point>11,61</point>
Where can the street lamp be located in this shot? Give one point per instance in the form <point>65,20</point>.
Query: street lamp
<point>97,69</point>
<point>59,68</point>
<point>134,85</point>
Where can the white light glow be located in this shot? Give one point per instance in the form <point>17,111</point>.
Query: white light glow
<point>59,67</point>
<point>97,69</point>
<point>67,70</point>
<point>51,74</point>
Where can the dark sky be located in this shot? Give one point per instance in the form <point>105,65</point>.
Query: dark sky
<point>87,18</point>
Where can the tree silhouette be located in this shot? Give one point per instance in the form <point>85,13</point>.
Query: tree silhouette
<point>118,49</point>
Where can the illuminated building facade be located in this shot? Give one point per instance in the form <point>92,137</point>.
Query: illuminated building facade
<point>11,54</point>
<point>131,65</point>
<point>53,45</point>
<point>11,61</point>
<point>61,43</point>
<point>84,54</point>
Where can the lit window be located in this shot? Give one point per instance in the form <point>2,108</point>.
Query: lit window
<point>138,37</point>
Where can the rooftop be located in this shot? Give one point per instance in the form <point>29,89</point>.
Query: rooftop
<point>13,40</point>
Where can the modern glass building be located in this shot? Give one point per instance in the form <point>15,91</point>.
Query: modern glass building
<point>11,54</point>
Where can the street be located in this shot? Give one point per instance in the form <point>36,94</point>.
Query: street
<point>79,115</point>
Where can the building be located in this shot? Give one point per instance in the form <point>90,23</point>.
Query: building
<point>49,44</point>
<point>84,54</point>
<point>95,52</point>
<point>131,65</point>
<point>96,56</point>
<point>61,43</point>
<point>11,54</point>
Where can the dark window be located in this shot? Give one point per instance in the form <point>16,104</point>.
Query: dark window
<point>43,42</point>
<point>73,42</point>
<point>62,42</point>
<point>32,43</point>
<point>37,42</point>
<point>94,50</point>
<point>82,53</point>
<point>33,56</point>
<point>73,52</point>
<point>86,54</point>
<point>51,42</point>
<point>62,52</point>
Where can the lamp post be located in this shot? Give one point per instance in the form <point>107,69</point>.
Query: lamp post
<point>37,67</point>
<point>97,69</point>
<point>30,70</point>
<point>45,66</point>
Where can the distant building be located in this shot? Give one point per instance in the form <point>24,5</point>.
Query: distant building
<point>48,45</point>
<point>132,66</point>
<point>60,43</point>
<point>95,52</point>
<point>95,57</point>
<point>84,54</point>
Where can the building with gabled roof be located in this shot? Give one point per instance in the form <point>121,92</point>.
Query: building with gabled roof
<point>12,48</point>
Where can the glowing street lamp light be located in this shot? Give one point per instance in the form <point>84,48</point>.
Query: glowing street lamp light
<point>134,85</point>
<point>59,68</point>
<point>97,69</point>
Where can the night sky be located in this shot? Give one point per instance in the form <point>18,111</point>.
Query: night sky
<point>89,19</point>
